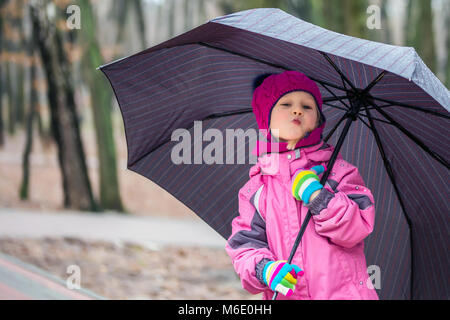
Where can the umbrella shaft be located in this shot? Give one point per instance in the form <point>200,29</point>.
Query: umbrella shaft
<point>322,181</point>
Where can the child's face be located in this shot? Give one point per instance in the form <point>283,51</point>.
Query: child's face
<point>294,105</point>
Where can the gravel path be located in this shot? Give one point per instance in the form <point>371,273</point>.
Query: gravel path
<point>161,250</point>
<point>131,271</point>
<point>125,257</point>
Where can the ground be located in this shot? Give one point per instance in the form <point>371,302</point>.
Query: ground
<point>116,272</point>
<point>134,272</point>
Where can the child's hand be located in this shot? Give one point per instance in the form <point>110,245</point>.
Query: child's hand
<point>306,182</point>
<point>281,276</point>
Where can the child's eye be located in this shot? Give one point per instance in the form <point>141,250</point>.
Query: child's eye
<point>307,107</point>
<point>286,104</point>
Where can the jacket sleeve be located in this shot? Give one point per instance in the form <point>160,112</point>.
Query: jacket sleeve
<point>247,246</point>
<point>344,210</point>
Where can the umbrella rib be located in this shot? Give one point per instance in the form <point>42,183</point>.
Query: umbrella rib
<point>325,83</point>
<point>390,173</point>
<point>212,116</point>
<point>343,77</point>
<point>341,100</point>
<point>411,136</point>
<point>364,122</point>
<point>322,82</point>
<point>336,126</point>
<point>335,98</point>
<point>337,107</point>
<point>394,103</point>
<point>377,119</point>
<point>383,106</point>
<point>345,86</point>
<point>359,114</point>
<point>243,55</point>
<point>374,82</point>
<point>227,113</point>
<point>380,120</point>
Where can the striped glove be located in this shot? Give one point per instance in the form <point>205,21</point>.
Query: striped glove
<point>305,182</point>
<point>281,277</point>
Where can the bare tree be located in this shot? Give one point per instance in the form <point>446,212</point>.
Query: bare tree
<point>64,119</point>
<point>2,83</point>
<point>140,22</point>
<point>419,30</point>
<point>101,109</point>
<point>447,23</point>
<point>30,119</point>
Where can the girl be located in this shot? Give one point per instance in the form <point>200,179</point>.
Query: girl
<point>329,262</point>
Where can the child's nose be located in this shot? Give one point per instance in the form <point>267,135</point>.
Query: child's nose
<point>296,110</point>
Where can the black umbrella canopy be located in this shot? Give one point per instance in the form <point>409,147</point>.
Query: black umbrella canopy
<point>399,139</point>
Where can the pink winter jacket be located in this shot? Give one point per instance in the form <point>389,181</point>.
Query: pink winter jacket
<point>331,251</point>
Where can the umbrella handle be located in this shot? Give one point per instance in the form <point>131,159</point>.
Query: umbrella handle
<point>322,182</point>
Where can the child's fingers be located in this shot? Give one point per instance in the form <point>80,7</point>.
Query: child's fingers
<point>287,284</point>
<point>297,270</point>
<point>318,169</point>
<point>283,290</point>
<point>293,273</point>
<point>283,277</point>
<point>281,272</point>
<point>290,278</point>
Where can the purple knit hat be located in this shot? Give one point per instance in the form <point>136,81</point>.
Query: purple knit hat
<point>266,95</point>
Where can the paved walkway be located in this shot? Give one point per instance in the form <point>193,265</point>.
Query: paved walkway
<point>150,232</point>
<point>22,281</point>
<point>19,280</point>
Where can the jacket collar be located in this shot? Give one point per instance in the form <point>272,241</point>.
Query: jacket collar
<point>282,163</point>
<point>268,145</point>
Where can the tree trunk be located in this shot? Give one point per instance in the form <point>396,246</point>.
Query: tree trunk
<point>101,108</point>
<point>447,69</point>
<point>354,18</point>
<point>301,9</point>
<point>20,94</point>
<point>2,82</point>
<point>122,12</point>
<point>169,5</point>
<point>425,35</point>
<point>409,30</point>
<point>2,136</point>
<point>188,14</point>
<point>385,27</point>
<point>7,65</point>
<point>24,188</point>
<point>141,23</point>
<point>10,95</point>
<point>64,120</point>
<point>333,15</point>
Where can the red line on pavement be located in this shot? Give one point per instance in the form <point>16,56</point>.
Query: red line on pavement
<point>8,293</point>
<point>44,281</point>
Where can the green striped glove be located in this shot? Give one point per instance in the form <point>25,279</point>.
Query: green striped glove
<point>305,182</point>
<point>281,276</point>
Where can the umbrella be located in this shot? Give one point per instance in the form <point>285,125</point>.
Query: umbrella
<point>386,113</point>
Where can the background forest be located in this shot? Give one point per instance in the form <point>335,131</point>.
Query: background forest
<point>63,147</point>
<point>49,85</point>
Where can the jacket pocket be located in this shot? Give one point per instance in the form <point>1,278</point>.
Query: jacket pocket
<point>354,270</point>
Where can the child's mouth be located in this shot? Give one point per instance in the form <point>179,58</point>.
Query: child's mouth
<point>297,122</point>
